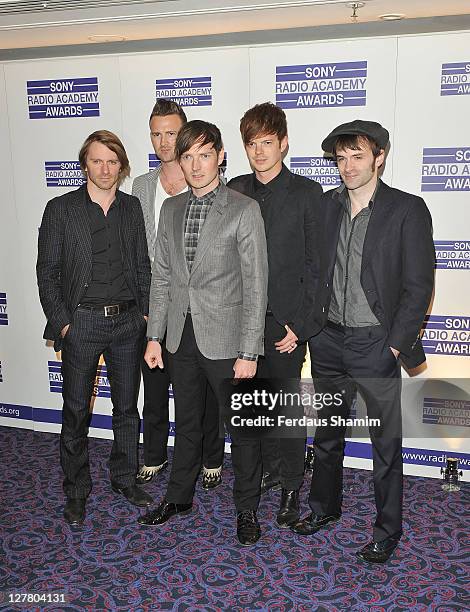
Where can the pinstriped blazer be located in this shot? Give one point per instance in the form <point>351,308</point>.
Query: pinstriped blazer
<point>144,187</point>
<point>64,264</point>
<point>227,286</point>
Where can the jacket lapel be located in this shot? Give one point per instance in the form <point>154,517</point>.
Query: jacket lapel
<point>211,226</point>
<point>179,218</point>
<point>378,223</point>
<point>81,223</point>
<point>151,191</point>
<point>333,217</point>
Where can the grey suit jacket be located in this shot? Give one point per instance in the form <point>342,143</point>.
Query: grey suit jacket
<point>227,286</point>
<point>145,187</point>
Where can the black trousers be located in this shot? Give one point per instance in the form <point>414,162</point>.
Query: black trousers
<point>282,457</point>
<point>359,359</point>
<point>157,423</point>
<point>190,370</point>
<point>120,340</point>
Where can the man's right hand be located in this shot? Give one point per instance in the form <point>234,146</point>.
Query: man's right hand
<point>153,355</point>
<point>65,330</point>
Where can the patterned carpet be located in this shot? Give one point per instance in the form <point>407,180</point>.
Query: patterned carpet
<point>195,563</point>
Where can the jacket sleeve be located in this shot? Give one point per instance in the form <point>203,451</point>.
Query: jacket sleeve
<point>302,322</point>
<point>49,268</point>
<point>252,249</point>
<point>418,261</point>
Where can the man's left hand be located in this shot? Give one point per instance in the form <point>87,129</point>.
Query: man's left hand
<point>288,343</point>
<point>243,368</point>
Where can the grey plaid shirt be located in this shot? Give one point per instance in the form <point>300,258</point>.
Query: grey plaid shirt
<point>197,210</point>
<point>196,213</point>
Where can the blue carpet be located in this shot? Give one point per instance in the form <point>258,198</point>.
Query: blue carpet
<point>195,563</point>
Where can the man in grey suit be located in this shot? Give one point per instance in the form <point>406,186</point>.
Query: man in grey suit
<point>209,294</point>
<point>152,189</point>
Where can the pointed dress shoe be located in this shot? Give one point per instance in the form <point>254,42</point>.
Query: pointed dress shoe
<point>378,552</point>
<point>313,523</point>
<point>164,512</point>
<point>147,473</point>
<point>248,529</point>
<point>289,509</point>
<point>134,495</point>
<point>211,478</point>
<point>74,511</point>
<point>269,481</point>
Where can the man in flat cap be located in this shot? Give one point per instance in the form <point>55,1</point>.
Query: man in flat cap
<point>377,278</point>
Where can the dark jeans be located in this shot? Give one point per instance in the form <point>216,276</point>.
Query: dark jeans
<point>359,359</point>
<point>120,340</point>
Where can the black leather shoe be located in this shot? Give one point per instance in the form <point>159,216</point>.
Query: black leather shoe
<point>74,511</point>
<point>314,522</point>
<point>309,459</point>
<point>134,495</point>
<point>289,510</point>
<point>378,552</point>
<point>164,512</point>
<point>270,482</point>
<point>248,529</point>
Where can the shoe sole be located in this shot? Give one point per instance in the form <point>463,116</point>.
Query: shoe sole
<point>74,523</point>
<point>249,543</point>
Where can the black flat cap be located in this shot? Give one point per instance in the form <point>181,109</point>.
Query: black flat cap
<point>358,127</point>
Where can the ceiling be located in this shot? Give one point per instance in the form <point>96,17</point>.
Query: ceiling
<point>45,28</point>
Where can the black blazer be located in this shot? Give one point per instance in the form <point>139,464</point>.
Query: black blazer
<point>292,240</point>
<point>64,262</point>
<point>397,272</point>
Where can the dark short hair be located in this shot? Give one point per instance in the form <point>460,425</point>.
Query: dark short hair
<point>354,142</point>
<point>262,119</point>
<point>197,131</point>
<point>164,107</point>
<point>113,143</point>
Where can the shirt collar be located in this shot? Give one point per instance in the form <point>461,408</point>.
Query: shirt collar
<point>275,184</point>
<point>341,194</point>
<point>115,202</point>
<point>208,198</point>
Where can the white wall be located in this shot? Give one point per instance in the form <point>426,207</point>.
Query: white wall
<point>393,80</point>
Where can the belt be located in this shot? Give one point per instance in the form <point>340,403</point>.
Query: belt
<point>336,326</point>
<point>111,310</point>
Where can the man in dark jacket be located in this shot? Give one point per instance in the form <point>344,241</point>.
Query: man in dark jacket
<point>290,207</point>
<point>376,283</point>
<point>93,275</point>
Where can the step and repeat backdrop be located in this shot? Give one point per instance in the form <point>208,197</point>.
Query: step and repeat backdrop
<point>416,86</point>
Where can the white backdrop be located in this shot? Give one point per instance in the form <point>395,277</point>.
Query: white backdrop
<point>417,86</point>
